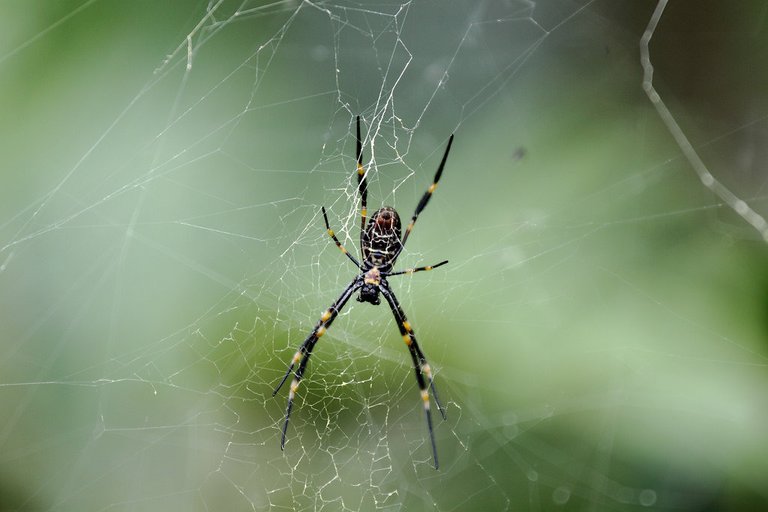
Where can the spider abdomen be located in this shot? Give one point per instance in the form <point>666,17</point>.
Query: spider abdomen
<point>381,241</point>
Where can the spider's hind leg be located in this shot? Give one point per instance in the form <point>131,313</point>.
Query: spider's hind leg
<point>362,183</point>
<point>428,194</point>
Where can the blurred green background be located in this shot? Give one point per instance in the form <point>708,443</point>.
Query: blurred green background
<point>599,336</point>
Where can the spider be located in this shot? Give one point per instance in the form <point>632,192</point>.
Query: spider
<point>380,244</point>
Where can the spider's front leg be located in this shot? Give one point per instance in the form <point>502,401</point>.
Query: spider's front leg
<point>420,364</point>
<point>305,350</point>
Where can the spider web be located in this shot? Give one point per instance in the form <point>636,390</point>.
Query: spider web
<point>598,336</point>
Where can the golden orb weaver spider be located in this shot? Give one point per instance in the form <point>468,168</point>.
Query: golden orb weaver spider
<point>380,245</point>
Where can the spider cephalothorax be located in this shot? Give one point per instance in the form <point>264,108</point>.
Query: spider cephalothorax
<point>380,244</point>
<point>369,292</point>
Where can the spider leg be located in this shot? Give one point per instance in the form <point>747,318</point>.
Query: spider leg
<point>425,198</point>
<point>420,364</point>
<point>362,183</point>
<point>412,270</point>
<point>335,239</point>
<point>305,349</point>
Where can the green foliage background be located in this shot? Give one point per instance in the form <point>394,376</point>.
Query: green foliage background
<point>599,333</point>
